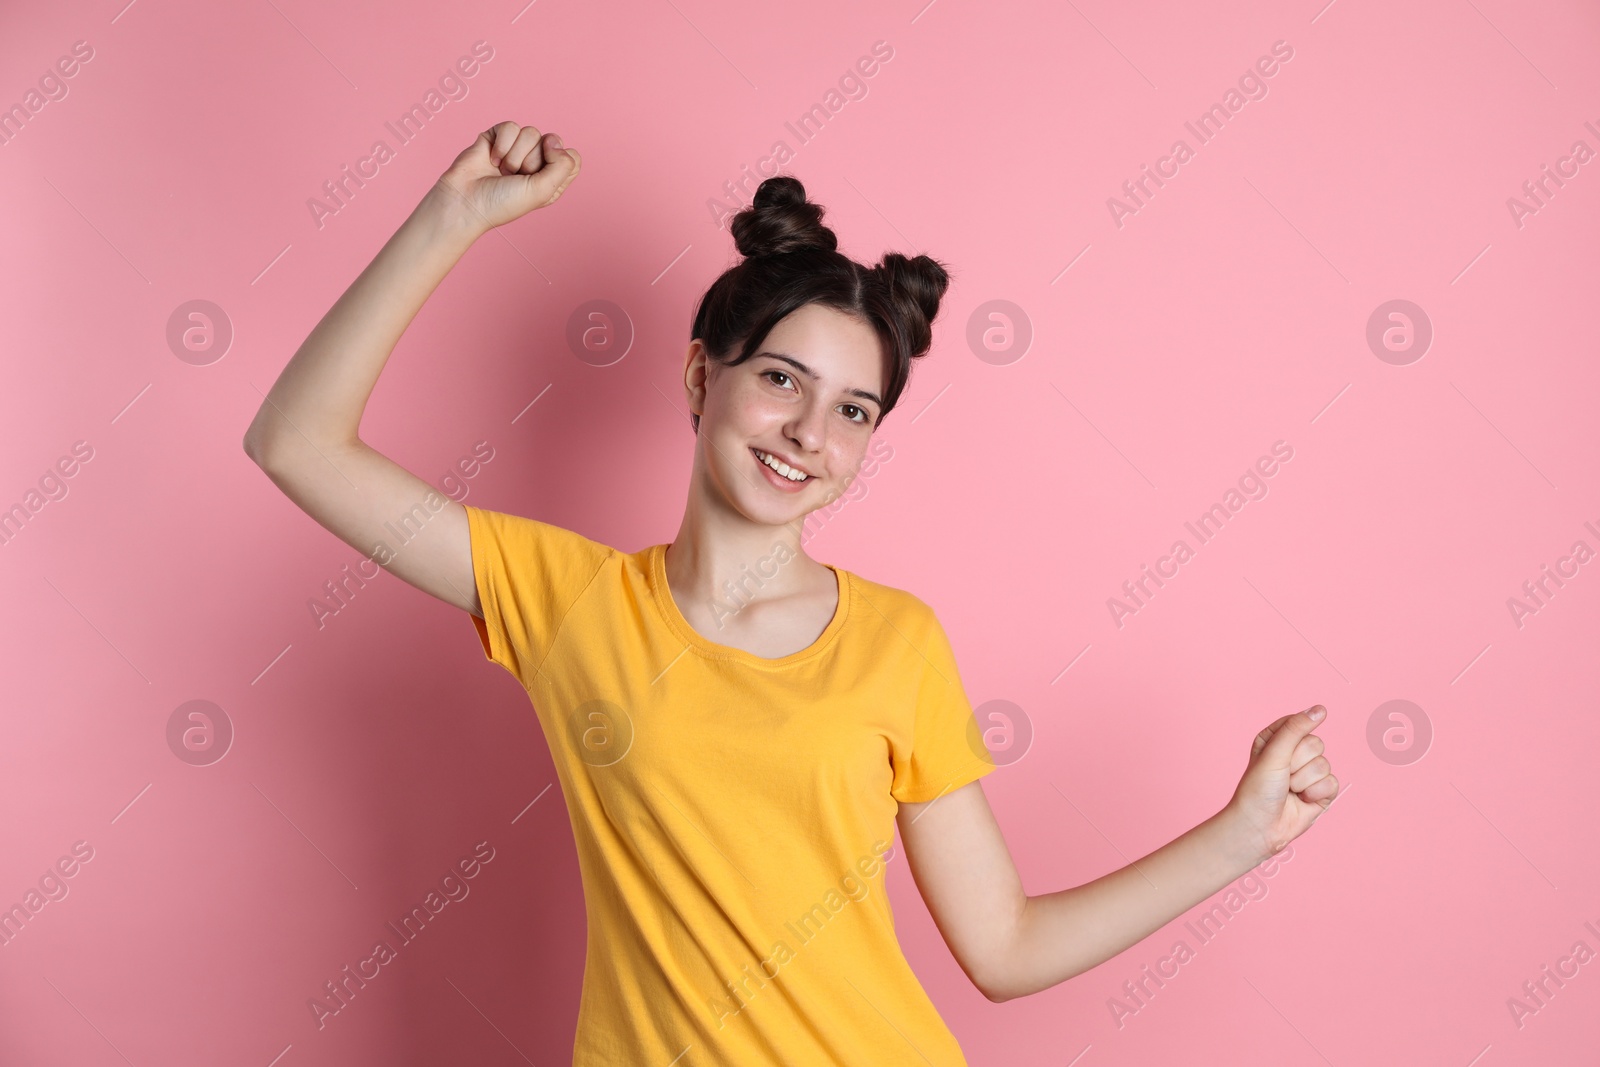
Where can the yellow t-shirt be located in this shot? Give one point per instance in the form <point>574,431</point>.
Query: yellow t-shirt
<point>730,811</point>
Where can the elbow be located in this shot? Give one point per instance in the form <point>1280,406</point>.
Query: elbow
<point>252,447</point>
<point>259,439</point>
<point>996,984</point>
<point>999,992</point>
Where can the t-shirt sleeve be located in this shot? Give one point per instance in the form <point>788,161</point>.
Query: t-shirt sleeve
<point>529,574</point>
<point>947,749</point>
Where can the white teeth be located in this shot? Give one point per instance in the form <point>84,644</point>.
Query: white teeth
<point>781,467</point>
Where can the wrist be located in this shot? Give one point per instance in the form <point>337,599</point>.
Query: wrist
<point>449,214</point>
<point>1246,847</point>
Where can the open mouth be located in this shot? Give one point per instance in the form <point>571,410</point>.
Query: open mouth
<point>780,468</point>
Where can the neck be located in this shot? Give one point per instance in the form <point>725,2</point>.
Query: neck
<point>716,546</point>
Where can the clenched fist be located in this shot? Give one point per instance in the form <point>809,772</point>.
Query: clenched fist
<point>508,171</point>
<point>1288,783</point>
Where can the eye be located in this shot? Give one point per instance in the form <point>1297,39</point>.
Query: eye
<point>782,374</point>
<point>859,410</point>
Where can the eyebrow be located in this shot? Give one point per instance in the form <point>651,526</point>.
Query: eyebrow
<point>809,373</point>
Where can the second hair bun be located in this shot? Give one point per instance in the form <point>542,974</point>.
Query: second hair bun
<point>780,219</point>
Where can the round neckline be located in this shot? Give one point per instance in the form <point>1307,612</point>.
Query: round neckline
<point>680,625</point>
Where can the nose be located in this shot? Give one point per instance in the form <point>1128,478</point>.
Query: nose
<point>808,429</point>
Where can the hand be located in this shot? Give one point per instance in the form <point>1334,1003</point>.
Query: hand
<point>1287,784</point>
<point>508,171</point>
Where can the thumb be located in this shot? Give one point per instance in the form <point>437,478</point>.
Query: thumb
<point>1275,745</point>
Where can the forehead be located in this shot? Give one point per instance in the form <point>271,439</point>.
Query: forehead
<point>842,350</point>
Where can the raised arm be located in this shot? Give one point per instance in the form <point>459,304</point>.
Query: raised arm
<point>305,434</point>
<point>1010,944</point>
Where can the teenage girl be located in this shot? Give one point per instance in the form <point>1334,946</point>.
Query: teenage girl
<point>738,728</point>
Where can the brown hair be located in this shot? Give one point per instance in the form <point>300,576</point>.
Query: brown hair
<point>791,260</point>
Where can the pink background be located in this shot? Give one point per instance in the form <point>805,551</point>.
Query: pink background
<point>1228,313</point>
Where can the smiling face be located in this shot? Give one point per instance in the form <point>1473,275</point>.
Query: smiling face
<point>808,399</point>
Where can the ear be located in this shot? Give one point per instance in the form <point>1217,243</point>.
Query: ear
<point>696,374</point>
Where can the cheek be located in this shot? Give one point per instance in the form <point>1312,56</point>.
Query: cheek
<point>742,406</point>
<point>848,457</point>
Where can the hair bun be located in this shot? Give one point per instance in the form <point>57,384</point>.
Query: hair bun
<point>920,279</point>
<point>780,219</point>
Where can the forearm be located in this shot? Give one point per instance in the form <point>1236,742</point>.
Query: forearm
<point>323,390</point>
<point>1063,934</point>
